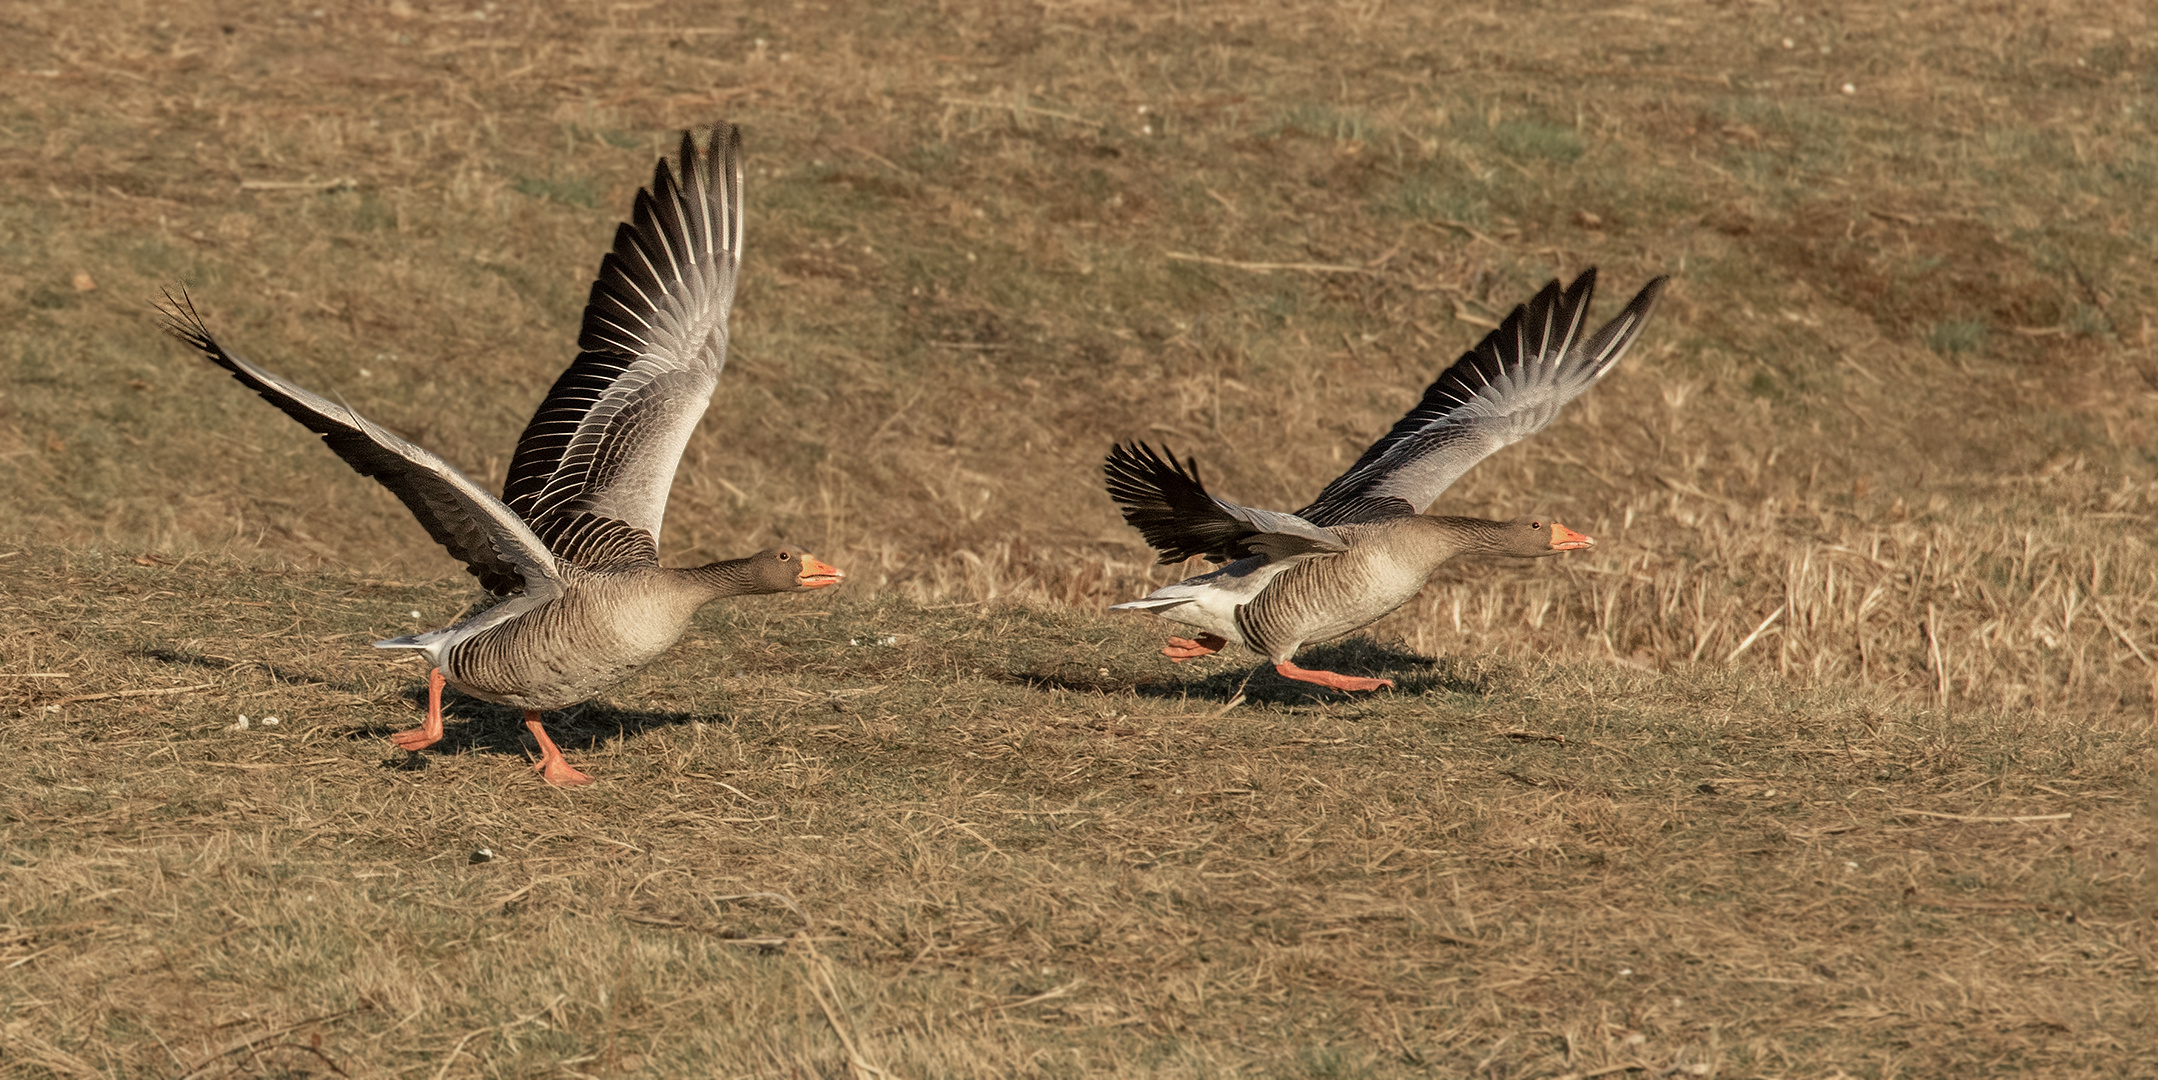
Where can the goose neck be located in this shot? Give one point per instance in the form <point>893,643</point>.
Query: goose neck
<point>730,577</point>
<point>1452,536</point>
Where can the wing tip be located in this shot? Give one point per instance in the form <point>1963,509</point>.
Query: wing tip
<point>1546,329</point>
<point>718,169</point>
<point>178,317</point>
<point>1650,295</point>
<point>1137,460</point>
<point>1609,345</point>
<point>1153,490</point>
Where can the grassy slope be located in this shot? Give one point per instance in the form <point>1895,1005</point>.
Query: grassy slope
<point>1868,496</point>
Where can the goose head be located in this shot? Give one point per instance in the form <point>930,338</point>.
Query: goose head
<point>1535,538</point>
<point>786,569</point>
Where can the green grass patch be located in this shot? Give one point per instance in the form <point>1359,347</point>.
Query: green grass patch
<point>1953,336</point>
<point>572,190</point>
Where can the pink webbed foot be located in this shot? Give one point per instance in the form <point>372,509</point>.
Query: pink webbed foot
<point>1330,679</point>
<point>551,764</point>
<point>430,730</point>
<point>1182,649</point>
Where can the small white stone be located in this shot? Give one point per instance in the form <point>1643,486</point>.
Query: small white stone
<point>1789,44</point>
<point>241,725</point>
<point>414,614</point>
<point>1625,972</point>
<point>1849,88</point>
<point>269,721</point>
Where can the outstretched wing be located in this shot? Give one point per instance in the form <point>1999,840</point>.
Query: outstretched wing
<point>461,515</point>
<point>1505,390</point>
<point>1166,502</point>
<point>604,443</point>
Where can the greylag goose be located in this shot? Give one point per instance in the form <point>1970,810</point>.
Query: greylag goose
<point>574,541</point>
<point>1365,545</point>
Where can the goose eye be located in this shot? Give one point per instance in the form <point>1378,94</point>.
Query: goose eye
<point>783,556</point>
<point>1536,524</point>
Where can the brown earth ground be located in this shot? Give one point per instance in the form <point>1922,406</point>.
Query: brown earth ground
<point>1831,759</point>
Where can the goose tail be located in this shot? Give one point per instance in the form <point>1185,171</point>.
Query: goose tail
<point>430,642</point>
<point>1156,602</point>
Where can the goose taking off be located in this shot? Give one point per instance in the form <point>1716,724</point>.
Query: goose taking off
<point>574,540</point>
<point>1365,545</point>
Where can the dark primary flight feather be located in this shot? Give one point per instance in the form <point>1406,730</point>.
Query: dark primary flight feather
<point>456,511</point>
<point>1167,503</point>
<point>604,443</point>
<point>1504,390</point>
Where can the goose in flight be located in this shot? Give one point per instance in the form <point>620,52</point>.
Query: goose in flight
<point>1365,545</point>
<point>573,543</point>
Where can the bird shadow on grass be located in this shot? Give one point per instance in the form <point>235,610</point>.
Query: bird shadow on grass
<point>1413,674</point>
<point>470,725</point>
<point>277,672</point>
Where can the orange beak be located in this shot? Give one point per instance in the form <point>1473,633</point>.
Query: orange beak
<point>816,573</point>
<point>1565,539</point>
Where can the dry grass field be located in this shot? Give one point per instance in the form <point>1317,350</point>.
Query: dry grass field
<point>1832,759</point>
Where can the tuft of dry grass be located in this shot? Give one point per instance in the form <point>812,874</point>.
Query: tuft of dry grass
<point>1868,499</point>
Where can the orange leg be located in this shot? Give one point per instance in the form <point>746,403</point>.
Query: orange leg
<point>551,765</point>
<point>1182,649</point>
<point>430,730</point>
<point>1330,679</point>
